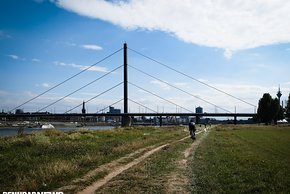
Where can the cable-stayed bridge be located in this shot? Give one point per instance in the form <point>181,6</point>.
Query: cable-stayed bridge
<point>126,114</point>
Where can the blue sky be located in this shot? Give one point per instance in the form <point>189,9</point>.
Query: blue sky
<point>242,48</point>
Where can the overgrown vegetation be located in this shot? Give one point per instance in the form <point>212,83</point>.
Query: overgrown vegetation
<point>246,159</point>
<point>49,159</point>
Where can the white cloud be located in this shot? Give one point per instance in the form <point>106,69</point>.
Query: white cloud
<point>16,57</point>
<point>248,92</point>
<point>92,47</point>
<point>231,25</point>
<point>70,44</point>
<point>4,35</point>
<point>35,60</point>
<point>160,84</point>
<point>85,46</point>
<point>4,93</point>
<point>82,67</point>
<point>43,85</point>
<point>228,53</point>
<point>202,80</point>
<point>13,57</point>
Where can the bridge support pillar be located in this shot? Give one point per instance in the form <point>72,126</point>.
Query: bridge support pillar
<point>160,121</point>
<point>197,120</point>
<point>235,120</point>
<point>126,121</point>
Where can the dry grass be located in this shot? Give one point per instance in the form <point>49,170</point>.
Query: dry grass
<point>50,159</point>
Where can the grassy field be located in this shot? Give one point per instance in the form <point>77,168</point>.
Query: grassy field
<point>229,159</point>
<point>242,159</point>
<point>50,159</point>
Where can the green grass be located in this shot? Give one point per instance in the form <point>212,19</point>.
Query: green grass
<point>230,159</point>
<point>50,159</point>
<point>248,159</point>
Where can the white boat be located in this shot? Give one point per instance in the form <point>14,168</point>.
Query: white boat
<point>282,121</point>
<point>47,126</point>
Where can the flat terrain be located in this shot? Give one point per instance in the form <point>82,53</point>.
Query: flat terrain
<point>50,159</point>
<point>243,159</point>
<point>223,159</point>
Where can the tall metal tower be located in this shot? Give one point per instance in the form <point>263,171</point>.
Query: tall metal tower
<point>279,94</point>
<point>84,109</point>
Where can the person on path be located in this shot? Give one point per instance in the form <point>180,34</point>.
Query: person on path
<point>192,129</point>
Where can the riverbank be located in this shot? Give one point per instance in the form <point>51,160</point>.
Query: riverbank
<point>6,132</point>
<point>12,128</point>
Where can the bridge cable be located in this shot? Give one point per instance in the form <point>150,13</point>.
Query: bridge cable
<point>66,80</point>
<point>137,69</point>
<point>142,105</point>
<point>95,97</point>
<point>160,97</point>
<point>110,105</point>
<point>80,88</point>
<point>177,71</point>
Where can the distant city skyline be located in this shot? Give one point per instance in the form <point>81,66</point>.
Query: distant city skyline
<point>240,47</point>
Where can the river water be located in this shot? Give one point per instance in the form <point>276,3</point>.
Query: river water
<point>9,131</point>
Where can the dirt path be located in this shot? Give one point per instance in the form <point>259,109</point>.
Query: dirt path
<point>111,166</point>
<point>177,180</point>
<point>121,168</point>
<point>120,165</point>
<point>112,169</point>
<point>96,185</point>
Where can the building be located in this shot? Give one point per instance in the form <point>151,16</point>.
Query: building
<point>113,110</point>
<point>113,119</point>
<point>199,110</point>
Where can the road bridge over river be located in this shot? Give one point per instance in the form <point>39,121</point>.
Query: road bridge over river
<point>126,115</point>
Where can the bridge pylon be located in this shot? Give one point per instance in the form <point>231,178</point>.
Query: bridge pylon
<point>126,120</point>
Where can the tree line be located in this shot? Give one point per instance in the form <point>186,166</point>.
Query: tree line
<point>270,110</point>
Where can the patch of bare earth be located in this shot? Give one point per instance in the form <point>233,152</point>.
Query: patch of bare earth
<point>177,180</point>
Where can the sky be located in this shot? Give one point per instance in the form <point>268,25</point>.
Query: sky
<point>241,47</point>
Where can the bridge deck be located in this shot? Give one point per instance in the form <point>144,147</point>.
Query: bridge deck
<point>29,115</point>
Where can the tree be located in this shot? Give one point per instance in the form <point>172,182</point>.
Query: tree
<point>268,109</point>
<point>288,108</point>
<point>275,108</point>
<point>264,108</point>
<point>281,113</point>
